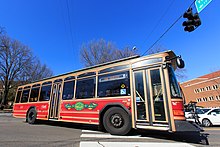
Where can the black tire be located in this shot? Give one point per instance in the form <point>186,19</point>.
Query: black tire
<point>117,121</point>
<point>31,116</point>
<point>206,122</point>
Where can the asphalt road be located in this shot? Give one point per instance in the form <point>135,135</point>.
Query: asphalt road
<point>15,133</point>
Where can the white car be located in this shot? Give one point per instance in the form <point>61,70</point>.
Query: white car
<point>189,114</point>
<point>209,117</point>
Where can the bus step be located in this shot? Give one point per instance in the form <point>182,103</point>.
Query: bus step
<point>162,128</point>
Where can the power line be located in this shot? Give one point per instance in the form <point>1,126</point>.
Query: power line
<point>166,31</point>
<point>162,35</point>
<point>161,18</point>
<point>70,25</point>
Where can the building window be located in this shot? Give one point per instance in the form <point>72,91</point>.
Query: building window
<point>218,98</point>
<point>211,98</point>
<point>208,88</point>
<point>198,100</point>
<point>195,91</point>
<point>215,87</point>
<point>202,89</point>
<point>205,99</point>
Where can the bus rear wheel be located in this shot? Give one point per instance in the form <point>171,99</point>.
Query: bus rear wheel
<point>117,121</point>
<point>31,116</point>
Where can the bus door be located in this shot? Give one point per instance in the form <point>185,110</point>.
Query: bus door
<point>55,100</point>
<point>149,99</point>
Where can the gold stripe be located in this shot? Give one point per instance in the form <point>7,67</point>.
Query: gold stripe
<point>82,122</point>
<point>46,102</point>
<point>20,111</point>
<point>42,118</point>
<point>179,118</point>
<point>80,112</point>
<point>96,99</point>
<point>87,118</point>
<point>42,115</point>
<point>20,115</point>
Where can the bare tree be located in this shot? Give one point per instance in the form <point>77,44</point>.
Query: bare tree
<point>14,56</point>
<point>100,51</point>
<point>2,30</point>
<point>17,64</point>
<point>36,71</point>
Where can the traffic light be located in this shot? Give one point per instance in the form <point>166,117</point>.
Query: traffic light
<point>197,21</point>
<point>189,27</point>
<point>192,22</point>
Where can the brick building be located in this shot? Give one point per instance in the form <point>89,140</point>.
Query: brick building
<point>204,90</point>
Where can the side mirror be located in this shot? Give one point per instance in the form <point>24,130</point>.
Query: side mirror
<point>179,62</point>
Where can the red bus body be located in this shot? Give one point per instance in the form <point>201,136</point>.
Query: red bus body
<point>153,106</point>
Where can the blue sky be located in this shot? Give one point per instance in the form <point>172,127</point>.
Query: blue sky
<point>55,35</point>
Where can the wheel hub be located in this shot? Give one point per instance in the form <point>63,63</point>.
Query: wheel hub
<point>117,120</point>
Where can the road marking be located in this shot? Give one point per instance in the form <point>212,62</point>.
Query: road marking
<point>112,136</point>
<point>5,114</point>
<point>98,134</point>
<point>211,128</point>
<point>90,131</point>
<point>132,144</point>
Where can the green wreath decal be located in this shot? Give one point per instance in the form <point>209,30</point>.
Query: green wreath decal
<point>80,106</point>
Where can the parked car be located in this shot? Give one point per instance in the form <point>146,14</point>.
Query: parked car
<point>209,117</point>
<point>189,114</point>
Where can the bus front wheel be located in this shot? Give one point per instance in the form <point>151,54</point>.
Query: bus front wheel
<point>117,121</point>
<point>31,116</point>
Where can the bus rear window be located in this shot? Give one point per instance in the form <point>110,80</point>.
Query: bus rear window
<point>17,100</point>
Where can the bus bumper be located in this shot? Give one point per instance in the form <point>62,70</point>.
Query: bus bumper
<point>185,126</point>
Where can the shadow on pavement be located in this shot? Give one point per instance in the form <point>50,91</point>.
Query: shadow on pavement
<point>69,125</point>
<point>188,137</point>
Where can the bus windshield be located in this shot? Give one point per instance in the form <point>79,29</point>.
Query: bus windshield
<point>174,87</point>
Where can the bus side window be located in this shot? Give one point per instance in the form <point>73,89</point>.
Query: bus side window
<point>115,84</point>
<point>34,94</point>
<point>25,95</point>
<point>68,90</point>
<point>45,93</point>
<point>18,97</point>
<point>85,88</point>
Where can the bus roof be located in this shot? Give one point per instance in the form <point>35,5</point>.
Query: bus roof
<point>170,52</point>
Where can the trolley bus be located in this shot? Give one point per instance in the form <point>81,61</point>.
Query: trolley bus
<point>135,92</point>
